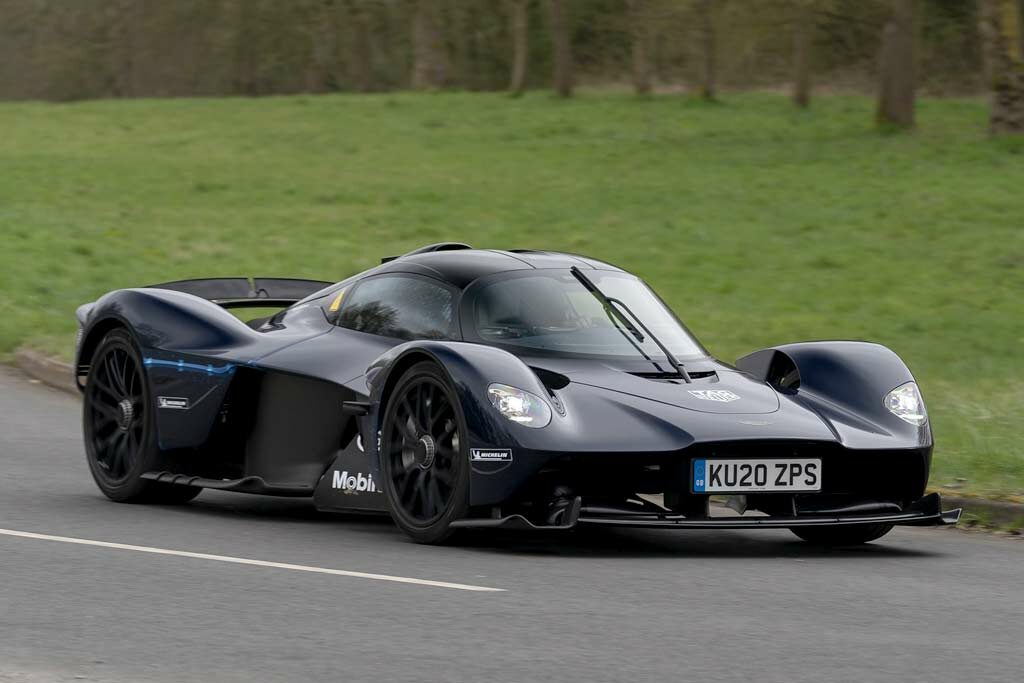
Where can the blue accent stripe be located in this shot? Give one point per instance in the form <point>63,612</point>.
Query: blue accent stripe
<point>182,366</point>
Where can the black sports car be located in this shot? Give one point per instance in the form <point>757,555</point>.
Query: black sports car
<point>462,388</point>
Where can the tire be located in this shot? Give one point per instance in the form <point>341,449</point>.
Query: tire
<point>119,426</point>
<point>423,459</point>
<point>833,536</point>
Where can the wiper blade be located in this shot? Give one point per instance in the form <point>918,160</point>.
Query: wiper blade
<point>607,303</point>
<point>614,305</point>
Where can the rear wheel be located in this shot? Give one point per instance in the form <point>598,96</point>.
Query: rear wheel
<point>426,473</point>
<point>853,534</point>
<point>119,428</point>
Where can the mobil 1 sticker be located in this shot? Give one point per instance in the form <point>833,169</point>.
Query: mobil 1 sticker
<point>490,454</point>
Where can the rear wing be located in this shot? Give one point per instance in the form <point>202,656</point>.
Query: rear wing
<point>243,292</point>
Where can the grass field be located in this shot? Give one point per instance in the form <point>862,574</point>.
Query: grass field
<point>758,223</point>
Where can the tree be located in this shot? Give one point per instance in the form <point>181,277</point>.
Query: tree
<point>431,65</point>
<point>558,18</point>
<point>359,54</point>
<point>897,84</point>
<point>803,30</point>
<point>1003,22</point>
<point>640,39</point>
<point>708,86</point>
<point>519,25</point>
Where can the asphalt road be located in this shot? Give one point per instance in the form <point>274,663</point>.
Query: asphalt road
<point>921,605</point>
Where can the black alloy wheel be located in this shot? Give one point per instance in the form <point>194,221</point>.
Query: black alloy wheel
<point>120,439</point>
<point>426,471</point>
<point>117,412</point>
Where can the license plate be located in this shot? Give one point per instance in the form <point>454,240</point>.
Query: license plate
<point>728,475</point>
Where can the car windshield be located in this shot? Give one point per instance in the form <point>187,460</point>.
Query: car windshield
<point>551,312</point>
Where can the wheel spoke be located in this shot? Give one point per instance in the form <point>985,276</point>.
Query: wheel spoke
<point>106,410</point>
<point>395,446</point>
<point>409,485</point>
<point>441,411</point>
<point>114,374</point>
<point>443,476</point>
<point>102,421</point>
<point>128,451</point>
<point>434,496</point>
<point>123,369</point>
<point>408,430</point>
<point>103,387</point>
<point>134,382</point>
<point>429,405</point>
<point>409,413</point>
<point>416,504</point>
<point>103,445</point>
<point>449,429</point>
<point>112,456</point>
<point>419,404</point>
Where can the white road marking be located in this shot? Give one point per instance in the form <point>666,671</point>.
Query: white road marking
<point>255,563</point>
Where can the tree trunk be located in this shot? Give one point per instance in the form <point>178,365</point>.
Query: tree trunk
<point>559,20</point>
<point>640,37</point>
<point>245,76</point>
<point>431,66</point>
<point>708,86</point>
<point>359,52</point>
<point>897,83</point>
<point>519,17</point>
<point>319,23</point>
<point>802,32</point>
<point>1004,33</point>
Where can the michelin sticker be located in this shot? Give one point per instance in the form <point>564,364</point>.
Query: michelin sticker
<point>490,454</point>
<point>172,402</point>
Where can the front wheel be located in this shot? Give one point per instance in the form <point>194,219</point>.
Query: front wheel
<point>853,534</point>
<point>426,472</point>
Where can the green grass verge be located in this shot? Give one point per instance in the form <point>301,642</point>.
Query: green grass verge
<point>758,223</point>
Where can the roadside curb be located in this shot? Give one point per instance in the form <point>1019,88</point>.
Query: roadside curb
<point>54,373</point>
<point>60,375</point>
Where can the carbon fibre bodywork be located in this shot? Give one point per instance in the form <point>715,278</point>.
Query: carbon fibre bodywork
<point>292,405</point>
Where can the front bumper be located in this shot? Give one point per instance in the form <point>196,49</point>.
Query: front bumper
<point>925,512</point>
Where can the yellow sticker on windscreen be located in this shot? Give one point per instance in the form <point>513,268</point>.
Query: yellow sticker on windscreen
<point>336,304</point>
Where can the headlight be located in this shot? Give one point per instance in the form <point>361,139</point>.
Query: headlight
<point>905,402</point>
<point>519,406</point>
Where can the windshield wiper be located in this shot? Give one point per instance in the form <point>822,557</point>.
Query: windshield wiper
<point>613,305</point>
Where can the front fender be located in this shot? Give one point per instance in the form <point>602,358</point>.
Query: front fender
<point>471,368</point>
<point>846,382</point>
<point>592,420</point>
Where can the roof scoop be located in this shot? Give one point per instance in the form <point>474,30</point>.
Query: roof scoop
<point>440,246</point>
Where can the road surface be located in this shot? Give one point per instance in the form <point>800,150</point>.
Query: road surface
<point>170,594</point>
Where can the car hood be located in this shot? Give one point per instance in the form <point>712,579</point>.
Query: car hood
<point>726,391</point>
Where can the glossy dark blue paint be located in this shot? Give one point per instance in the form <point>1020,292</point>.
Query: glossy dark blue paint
<point>194,348</point>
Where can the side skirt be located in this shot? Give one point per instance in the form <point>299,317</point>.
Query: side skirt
<point>243,485</point>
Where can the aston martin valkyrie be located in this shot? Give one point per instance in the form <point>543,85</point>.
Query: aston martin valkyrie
<point>457,388</point>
